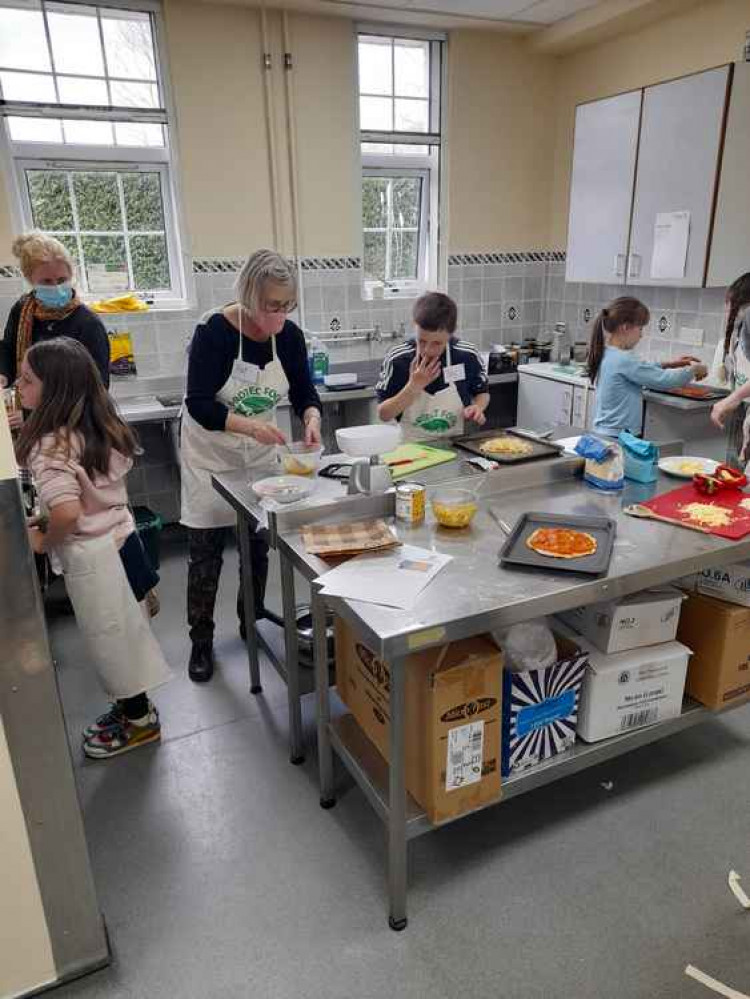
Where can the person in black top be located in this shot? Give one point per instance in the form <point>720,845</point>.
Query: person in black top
<point>49,310</point>
<point>243,361</point>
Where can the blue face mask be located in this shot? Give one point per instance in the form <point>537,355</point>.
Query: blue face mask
<point>53,296</point>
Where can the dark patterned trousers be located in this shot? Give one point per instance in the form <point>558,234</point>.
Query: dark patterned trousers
<point>205,559</point>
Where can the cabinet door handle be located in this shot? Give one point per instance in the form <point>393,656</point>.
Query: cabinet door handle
<point>634,269</point>
<point>619,267</point>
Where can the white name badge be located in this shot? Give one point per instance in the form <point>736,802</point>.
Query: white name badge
<point>454,373</point>
<point>243,371</point>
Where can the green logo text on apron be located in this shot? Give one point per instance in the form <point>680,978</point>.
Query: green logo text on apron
<point>436,421</point>
<point>254,400</point>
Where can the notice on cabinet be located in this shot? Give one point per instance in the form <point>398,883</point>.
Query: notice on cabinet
<point>671,241</point>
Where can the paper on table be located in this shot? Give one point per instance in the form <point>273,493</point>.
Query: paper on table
<point>671,241</point>
<point>393,578</point>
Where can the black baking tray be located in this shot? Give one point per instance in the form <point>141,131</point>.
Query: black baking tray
<point>713,392</point>
<point>604,529</point>
<point>540,449</point>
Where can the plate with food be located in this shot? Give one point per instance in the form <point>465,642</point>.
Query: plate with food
<point>284,488</point>
<point>685,467</point>
<point>561,542</point>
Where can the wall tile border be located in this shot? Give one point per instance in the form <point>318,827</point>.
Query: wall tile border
<point>525,257</point>
<point>9,271</point>
<point>231,265</point>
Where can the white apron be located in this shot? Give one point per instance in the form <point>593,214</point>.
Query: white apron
<point>733,374</point>
<point>432,417</point>
<point>252,392</point>
<point>122,646</point>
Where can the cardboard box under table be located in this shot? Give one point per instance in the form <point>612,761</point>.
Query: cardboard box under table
<point>452,725</point>
<point>726,582</point>
<point>540,709</point>
<point>646,618</point>
<point>630,690</point>
<point>719,635</point>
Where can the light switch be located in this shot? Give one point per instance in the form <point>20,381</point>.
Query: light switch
<point>692,336</point>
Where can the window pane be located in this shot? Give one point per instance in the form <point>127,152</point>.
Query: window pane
<point>74,90</point>
<point>70,242</point>
<point>98,201</point>
<point>408,150</point>
<point>374,203</point>
<point>406,202</point>
<point>107,250</point>
<point>139,134</point>
<point>404,251</point>
<point>134,95</point>
<point>76,46</point>
<point>376,113</point>
<point>374,256</point>
<point>35,129</point>
<point>378,148</point>
<point>50,199</point>
<point>88,133</point>
<point>412,116</point>
<point>150,262</point>
<point>28,87</point>
<point>23,44</point>
<point>412,65</point>
<point>375,66</point>
<point>143,202</point>
<point>129,45</point>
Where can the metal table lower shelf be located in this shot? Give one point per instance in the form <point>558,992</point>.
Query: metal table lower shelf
<point>371,772</point>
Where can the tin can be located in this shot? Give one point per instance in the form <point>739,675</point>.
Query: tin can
<point>410,502</point>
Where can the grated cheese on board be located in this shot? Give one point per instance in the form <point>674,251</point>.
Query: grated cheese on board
<point>707,514</point>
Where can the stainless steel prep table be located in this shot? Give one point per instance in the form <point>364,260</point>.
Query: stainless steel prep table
<point>329,502</point>
<point>473,595</point>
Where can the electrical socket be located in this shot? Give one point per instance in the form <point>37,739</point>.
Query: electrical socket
<point>691,336</point>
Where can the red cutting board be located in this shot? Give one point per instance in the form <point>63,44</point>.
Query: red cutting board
<point>668,505</point>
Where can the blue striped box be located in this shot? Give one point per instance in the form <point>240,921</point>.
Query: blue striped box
<point>540,709</point>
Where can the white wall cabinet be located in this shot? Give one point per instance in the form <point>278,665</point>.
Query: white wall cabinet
<point>730,247</point>
<point>635,156</point>
<point>601,191</point>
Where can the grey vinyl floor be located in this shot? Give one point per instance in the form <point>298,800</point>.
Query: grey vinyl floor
<point>220,876</point>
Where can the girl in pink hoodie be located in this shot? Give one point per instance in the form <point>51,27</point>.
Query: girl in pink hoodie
<point>79,452</point>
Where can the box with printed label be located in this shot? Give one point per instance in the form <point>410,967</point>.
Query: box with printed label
<point>719,635</point>
<point>452,726</point>
<point>629,690</point>
<point>646,618</point>
<point>540,708</point>
<point>727,582</point>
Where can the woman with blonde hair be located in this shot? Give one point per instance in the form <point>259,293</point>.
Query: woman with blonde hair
<point>243,361</point>
<point>51,309</point>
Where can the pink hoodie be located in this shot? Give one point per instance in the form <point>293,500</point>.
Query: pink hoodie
<point>104,501</point>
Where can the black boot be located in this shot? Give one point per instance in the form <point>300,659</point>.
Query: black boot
<point>201,667</point>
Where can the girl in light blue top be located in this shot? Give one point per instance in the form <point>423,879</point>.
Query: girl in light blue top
<point>620,376</point>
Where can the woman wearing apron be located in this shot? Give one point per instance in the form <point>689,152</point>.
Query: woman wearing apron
<point>244,360</point>
<point>435,382</point>
<point>732,364</point>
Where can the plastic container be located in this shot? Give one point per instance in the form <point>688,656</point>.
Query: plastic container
<point>319,361</point>
<point>299,458</point>
<point>454,507</point>
<point>148,525</point>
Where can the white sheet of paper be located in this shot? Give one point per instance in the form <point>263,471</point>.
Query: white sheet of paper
<point>393,579</point>
<point>671,241</point>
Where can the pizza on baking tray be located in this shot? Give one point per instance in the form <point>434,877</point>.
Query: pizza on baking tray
<point>561,542</point>
<point>509,446</point>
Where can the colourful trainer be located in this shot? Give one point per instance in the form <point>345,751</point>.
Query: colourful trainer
<point>113,718</point>
<point>123,737</point>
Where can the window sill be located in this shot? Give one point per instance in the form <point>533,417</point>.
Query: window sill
<point>168,307</point>
<point>389,294</point>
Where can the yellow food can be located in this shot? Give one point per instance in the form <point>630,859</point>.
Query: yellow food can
<point>410,502</point>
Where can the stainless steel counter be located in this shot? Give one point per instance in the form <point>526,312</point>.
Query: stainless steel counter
<point>677,401</point>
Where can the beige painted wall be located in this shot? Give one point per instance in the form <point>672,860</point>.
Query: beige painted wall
<point>501,141</point>
<point>702,37</point>
<point>26,960</point>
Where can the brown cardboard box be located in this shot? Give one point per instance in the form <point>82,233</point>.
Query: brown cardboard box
<point>719,635</point>
<point>452,728</point>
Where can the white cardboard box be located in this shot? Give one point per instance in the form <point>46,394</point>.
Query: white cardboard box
<point>646,618</point>
<point>727,582</point>
<point>630,690</point>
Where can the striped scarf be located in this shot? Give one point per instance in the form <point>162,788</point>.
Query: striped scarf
<point>33,309</point>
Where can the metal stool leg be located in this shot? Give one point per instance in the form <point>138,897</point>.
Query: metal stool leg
<point>297,751</point>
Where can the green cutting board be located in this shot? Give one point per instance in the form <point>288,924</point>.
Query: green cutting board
<point>420,456</point>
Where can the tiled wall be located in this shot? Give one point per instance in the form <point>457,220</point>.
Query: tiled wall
<point>502,297</point>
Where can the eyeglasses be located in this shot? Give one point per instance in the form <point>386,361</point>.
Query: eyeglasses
<point>277,308</point>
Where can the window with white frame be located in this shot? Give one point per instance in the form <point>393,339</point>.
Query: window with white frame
<point>400,134</point>
<point>86,134</point>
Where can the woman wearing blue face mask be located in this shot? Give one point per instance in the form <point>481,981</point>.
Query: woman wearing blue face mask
<point>50,309</point>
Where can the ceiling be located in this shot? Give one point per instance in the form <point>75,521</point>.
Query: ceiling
<point>541,12</point>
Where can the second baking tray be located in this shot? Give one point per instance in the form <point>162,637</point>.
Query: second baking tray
<point>540,449</point>
<point>516,552</point>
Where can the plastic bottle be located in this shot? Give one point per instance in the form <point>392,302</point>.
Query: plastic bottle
<point>319,361</point>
